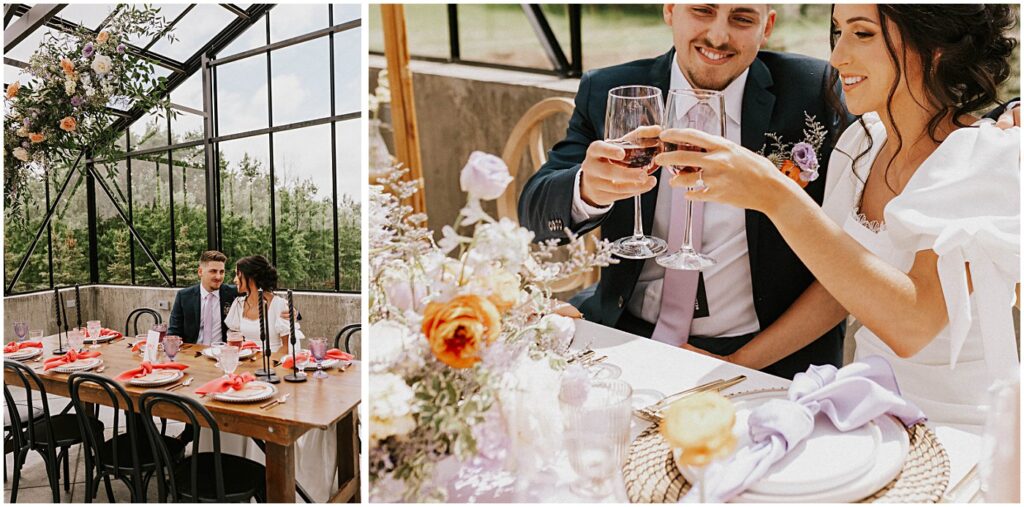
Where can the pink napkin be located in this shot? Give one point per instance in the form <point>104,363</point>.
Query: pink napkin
<point>221,384</point>
<point>331,354</point>
<point>15,346</point>
<point>145,368</point>
<point>68,358</point>
<point>249,345</point>
<point>104,332</point>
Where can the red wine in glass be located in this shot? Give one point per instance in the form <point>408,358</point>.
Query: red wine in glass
<point>639,153</point>
<point>669,147</point>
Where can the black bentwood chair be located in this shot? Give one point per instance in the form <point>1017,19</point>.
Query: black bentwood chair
<point>203,477</point>
<point>347,333</point>
<point>42,432</point>
<point>126,456</point>
<point>137,314</point>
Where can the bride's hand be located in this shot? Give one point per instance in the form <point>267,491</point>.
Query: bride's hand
<point>732,174</point>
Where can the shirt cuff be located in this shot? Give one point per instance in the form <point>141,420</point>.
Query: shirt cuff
<point>581,211</point>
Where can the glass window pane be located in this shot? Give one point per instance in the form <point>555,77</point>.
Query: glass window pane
<point>291,20</point>
<point>245,198</point>
<point>603,44</point>
<point>302,81</point>
<point>12,74</point>
<point>346,12</point>
<point>19,231</point>
<point>253,37</point>
<point>349,153</point>
<point>24,50</point>
<point>88,15</point>
<point>427,27</point>
<point>189,213</point>
<point>186,125</point>
<point>304,204</point>
<point>197,28</point>
<point>70,235</point>
<point>150,131</point>
<point>498,34</point>
<point>376,32</point>
<point>113,237</point>
<point>242,95</point>
<point>347,76</point>
<point>152,216</point>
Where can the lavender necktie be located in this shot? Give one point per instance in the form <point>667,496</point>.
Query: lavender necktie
<point>679,288</point>
<point>209,319</point>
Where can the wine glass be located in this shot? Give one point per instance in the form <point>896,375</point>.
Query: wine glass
<point>318,349</point>
<point>597,436</point>
<point>228,359</point>
<point>235,338</point>
<point>703,110</point>
<point>172,344</point>
<point>632,122</point>
<point>93,327</point>
<point>20,330</point>
<point>75,340</point>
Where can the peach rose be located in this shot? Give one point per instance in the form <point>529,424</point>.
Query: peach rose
<point>68,124</point>
<point>459,329</point>
<point>12,89</point>
<point>36,137</point>
<point>700,426</point>
<point>792,171</point>
<point>67,67</point>
<point>102,37</point>
<point>504,290</point>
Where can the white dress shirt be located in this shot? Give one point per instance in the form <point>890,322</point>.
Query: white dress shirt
<point>728,285</point>
<point>203,296</point>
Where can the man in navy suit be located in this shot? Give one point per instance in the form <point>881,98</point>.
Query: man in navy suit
<point>199,311</point>
<point>757,276</point>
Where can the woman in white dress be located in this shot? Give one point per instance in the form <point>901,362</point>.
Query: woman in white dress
<point>918,237</point>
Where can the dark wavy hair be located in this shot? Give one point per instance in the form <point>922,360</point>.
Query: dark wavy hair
<point>965,55</point>
<point>258,269</point>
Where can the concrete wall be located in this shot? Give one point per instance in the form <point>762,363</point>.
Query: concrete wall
<point>322,314</point>
<point>461,109</point>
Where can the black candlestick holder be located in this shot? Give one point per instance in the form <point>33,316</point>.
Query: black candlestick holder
<point>296,375</point>
<point>58,302</point>
<point>266,373</point>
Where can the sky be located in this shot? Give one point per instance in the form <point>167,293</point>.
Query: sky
<point>300,80</point>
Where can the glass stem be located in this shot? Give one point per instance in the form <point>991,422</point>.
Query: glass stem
<point>638,224</point>
<point>687,245</point>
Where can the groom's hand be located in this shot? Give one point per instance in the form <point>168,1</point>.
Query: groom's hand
<point>602,182</point>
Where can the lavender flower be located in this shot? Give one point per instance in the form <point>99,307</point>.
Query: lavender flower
<point>88,50</point>
<point>26,144</point>
<point>804,156</point>
<point>76,101</point>
<point>808,175</point>
<point>27,122</point>
<point>120,48</point>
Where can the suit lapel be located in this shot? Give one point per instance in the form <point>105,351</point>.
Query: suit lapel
<point>758,103</point>
<point>197,312</point>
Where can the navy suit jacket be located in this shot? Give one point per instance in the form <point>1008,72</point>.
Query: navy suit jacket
<point>780,88</point>
<point>185,315</point>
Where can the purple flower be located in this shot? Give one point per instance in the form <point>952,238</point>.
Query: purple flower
<point>26,144</point>
<point>804,156</point>
<point>76,101</point>
<point>120,48</point>
<point>808,175</point>
<point>88,50</point>
<point>27,122</point>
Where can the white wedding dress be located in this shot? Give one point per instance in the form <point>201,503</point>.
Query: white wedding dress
<point>963,202</point>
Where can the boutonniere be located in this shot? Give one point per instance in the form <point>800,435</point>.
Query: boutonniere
<point>797,161</point>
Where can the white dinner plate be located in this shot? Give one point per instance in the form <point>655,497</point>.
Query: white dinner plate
<point>158,378</point>
<point>254,391</point>
<point>326,363</point>
<point>871,456</point>
<point>80,365</point>
<point>242,354</point>
<point>25,353</point>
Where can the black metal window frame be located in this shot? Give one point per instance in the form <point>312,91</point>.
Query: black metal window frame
<point>205,62</point>
<point>570,66</point>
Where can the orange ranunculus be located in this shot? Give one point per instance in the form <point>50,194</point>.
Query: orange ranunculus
<point>459,329</point>
<point>12,89</point>
<point>68,124</point>
<point>68,67</point>
<point>790,169</point>
<point>36,137</point>
<point>102,37</point>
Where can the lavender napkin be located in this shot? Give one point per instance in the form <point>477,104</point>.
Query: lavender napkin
<point>850,397</point>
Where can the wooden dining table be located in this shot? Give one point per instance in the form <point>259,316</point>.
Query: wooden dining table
<point>314,404</point>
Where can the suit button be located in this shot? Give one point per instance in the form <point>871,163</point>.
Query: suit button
<point>622,302</point>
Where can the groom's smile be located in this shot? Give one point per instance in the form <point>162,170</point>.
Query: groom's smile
<point>714,57</point>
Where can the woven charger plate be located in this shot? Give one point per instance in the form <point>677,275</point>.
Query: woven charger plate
<point>652,476</point>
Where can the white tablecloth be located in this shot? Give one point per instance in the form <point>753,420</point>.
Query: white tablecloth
<point>655,369</point>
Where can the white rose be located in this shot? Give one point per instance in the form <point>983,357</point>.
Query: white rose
<point>20,154</point>
<point>532,410</point>
<point>23,131</point>
<point>70,86</point>
<point>101,64</point>
<point>390,340</point>
<point>484,176</point>
<point>89,92</point>
<point>503,241</point>
<point>558,330</point>
<point>390,407</point>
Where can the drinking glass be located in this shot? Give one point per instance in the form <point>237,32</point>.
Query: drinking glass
<point>20,330</point>
<point>93,326</point>
<point>632,122</point>
<point>75,340</point>
<point>160,328</point>
<point>228,359</point>
<point>36,335</point>
<point>318,349</point>
<point>172,344</point>
<point>597,436</point>
<point>235,338</point>
<point>703,110</point>
<point>215,349</point>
